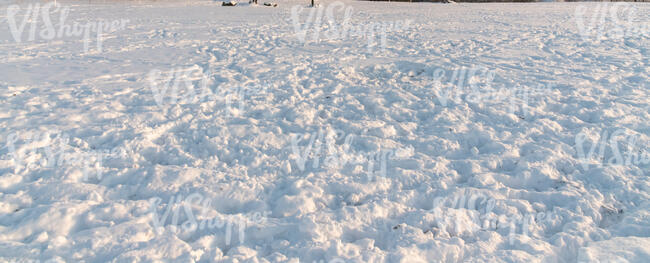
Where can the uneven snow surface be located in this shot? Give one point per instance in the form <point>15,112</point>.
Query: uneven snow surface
<point>397,171</point>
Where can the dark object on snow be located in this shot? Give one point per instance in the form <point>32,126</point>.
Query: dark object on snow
<point>252,1</point>
<point>270,4</point>
<point>228,3</point>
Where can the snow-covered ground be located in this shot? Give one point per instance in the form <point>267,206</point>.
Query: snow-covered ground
<point>189,131</point>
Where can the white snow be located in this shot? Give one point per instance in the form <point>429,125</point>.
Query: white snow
<point>189,131</point>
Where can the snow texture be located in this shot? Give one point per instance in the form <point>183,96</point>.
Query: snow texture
<point>192,132</point>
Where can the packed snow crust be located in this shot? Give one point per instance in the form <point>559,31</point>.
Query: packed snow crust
<point>317,147</point>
